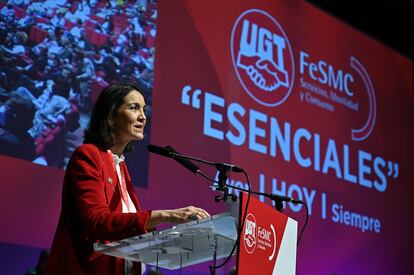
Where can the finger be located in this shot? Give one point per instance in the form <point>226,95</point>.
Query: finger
<point>201,213</point>
<point>205,212</point>
<point>190,209</point>
<point>192,217</point>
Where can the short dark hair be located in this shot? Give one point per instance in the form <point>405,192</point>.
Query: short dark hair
<point>100,130</point>
<point>20,113</point>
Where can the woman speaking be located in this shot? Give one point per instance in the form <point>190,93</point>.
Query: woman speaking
<point>98,199</point>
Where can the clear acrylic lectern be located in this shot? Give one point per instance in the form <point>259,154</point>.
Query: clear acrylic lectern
<point>182,245</point>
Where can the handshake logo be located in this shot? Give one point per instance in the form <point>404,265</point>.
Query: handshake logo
<point>262,72</point>
<point>262,57</point>
<point>250,234</point>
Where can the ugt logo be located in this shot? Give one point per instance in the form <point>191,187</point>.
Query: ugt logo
<point>250,234</point>
<point>262,57</point>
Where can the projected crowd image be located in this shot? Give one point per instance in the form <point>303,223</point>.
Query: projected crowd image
<point>55,58</point>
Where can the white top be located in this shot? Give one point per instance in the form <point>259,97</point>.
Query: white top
<point>132,208</point>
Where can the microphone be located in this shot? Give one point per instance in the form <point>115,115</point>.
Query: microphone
<point>169,152</point>
<point>283,198</point>
<point>163,151</point>
<point>228,167</point>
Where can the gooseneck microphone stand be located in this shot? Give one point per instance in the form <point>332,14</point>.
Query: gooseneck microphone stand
<point>223,169</point>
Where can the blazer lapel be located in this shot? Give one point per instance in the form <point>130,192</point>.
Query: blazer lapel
<point>111,182</point>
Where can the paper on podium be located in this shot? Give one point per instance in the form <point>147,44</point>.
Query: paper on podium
<point>180,246</point>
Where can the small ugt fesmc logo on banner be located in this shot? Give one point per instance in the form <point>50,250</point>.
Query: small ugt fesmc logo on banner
<point>262,57</point>
<point>250,233</point>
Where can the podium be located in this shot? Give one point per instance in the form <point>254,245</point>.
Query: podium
<point>182,245</point>
<point>267,243</point>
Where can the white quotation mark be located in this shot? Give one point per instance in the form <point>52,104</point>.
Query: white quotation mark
<point>392,169</point>
<point>190,99</point>
<point>274,243</point>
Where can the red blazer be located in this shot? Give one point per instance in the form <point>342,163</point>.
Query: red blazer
<point>92,212</point>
